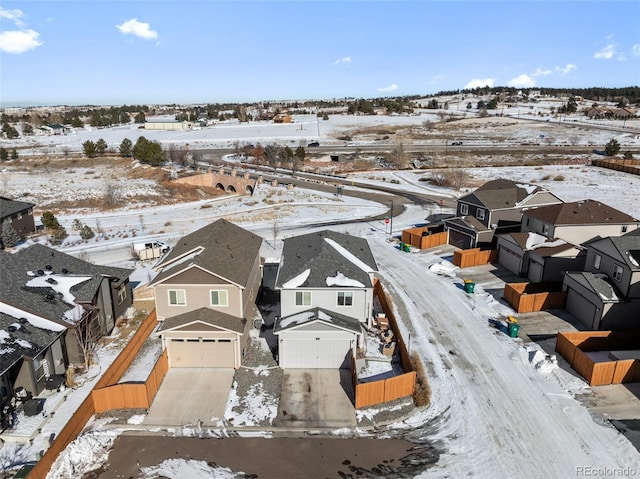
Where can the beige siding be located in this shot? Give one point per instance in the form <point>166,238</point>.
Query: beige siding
<point>580,234</point>
<point>197,296</point>
<point>250,293</point>
<point>202,348</point>
<point>542,198</point>
<point>195,275</point>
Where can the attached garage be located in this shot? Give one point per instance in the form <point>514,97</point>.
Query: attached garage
<point>581,309</point>
<point>317,339</point>
<point>460,240</point>
<point>509,259</point>
<point>203,339</point>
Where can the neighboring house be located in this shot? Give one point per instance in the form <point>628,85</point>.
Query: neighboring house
<point>578,222</point>
<point>326,293</point>
<point>494,208</point>
<point>205,294</point>
<point>173,125</point>
<point>606,295</point>
<point>19,214</point>
<point>537,257</point>
<point>51,295</point>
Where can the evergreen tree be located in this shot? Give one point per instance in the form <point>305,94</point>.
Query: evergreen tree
<point>49,221</point>
<point>148,151</point>
<point>9,236</point>
<point>14,154</point>
<point>86,232</point>
<point>612,148</point>
<point>125,148</point>
<point>10,131</point>
<point>140,118</point>
<point>101,146</point>
<point>4,154</point>
<point>89,149</point>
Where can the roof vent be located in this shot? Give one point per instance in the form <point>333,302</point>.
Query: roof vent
<point>50,297</point>
<point>51,281</point>
<point>12,328</point>
<point>65,270</point>
<point>40,272</point>
<point>22,320</point>
<point>48,267</point>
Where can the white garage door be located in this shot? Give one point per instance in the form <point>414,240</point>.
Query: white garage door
<point>203,353</point>
<point>581,309</point>
<point>509,260</point>
<point>315,353</point>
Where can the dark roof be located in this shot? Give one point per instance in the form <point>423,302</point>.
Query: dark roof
<point>470,223</point>
<point>10,207</point>
<point>579,213</point>
<point>25,340</point>
<point>320,315</point>
<point>207,316</point>
<point>224,249</point>
<point>628,248</point>
<point>599,284</point>
<point>314,252</point>
<point>500,194</point>
<point>20,267</point>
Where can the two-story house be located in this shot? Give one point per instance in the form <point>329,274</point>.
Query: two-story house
<point>48,302</point>
<point>494,208</point>
<point>606,295</point>
<point>205,295</point>
<point>326,295</point>
<point>549,243</point>
<point>19,214</point>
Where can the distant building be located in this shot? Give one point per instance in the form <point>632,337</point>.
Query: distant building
<point>171,125</point>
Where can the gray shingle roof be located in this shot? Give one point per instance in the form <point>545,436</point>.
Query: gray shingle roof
<point>313,252</point>
<point>14,276</point>
<point>207,316</point>
<point>500,194</point>
<point>26,340</point>
<point>583,212</point>
<point>10,207</point>
<point>226,250</point>
<point>599,284</point>
<point>628,248</point>
<point>470,223</point>
<point>317,314</point>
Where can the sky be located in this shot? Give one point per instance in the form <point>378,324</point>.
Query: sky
<point>213,51</point>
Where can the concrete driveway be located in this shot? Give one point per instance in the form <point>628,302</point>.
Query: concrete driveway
<point>316,398</point>
<point>189,395</point>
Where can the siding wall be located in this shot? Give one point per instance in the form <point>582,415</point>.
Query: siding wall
<point>327,298</point>
<point>197,296</point>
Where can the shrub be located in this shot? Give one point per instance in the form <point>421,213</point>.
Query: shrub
<point>422,392</point>
<point>559,178</point>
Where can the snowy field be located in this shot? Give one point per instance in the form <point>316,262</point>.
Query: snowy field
<point>500,408</point>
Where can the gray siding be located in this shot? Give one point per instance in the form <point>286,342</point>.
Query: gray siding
<point>327,298</point>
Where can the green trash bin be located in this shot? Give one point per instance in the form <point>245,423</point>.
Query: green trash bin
<point>514,329</point>
<point>469,285</point>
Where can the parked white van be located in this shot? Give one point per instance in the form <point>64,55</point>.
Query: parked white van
<point>150,249</point>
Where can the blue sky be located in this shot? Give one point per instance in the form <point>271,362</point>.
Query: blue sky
<point>207,51</point>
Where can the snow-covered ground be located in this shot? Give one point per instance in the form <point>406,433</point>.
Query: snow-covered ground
<point>500,407</point>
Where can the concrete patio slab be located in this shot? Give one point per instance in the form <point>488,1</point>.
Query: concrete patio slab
<point>189,396</point>
<point>316,398</point>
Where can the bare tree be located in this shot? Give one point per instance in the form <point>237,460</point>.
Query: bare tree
<point>399,157</point>
<point>87,333</point>
<point>272,155</point>
<point>111,196</point>
<point>275,231</point>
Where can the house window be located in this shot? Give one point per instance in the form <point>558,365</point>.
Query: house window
<point>303,298</point>
<point>617,272</point>
<point>122,295</point>
<point>177,297</point>
<point>624,228</point>
<point>545,229</point>
<point>219,298</point>
<point>480,214</point>
<point>528,222</point>
<point>596,260</point>
<point>464,209</point>
<point>345,298</point>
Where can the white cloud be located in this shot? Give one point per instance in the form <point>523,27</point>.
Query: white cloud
<point>635,50</point>
<point>14,15</point>
<point>540,72</point>
<point>19,41</point>
<point>138,29</point>
<point>608,51</point>
<point>342,60</point>
<point>476,83</point>
<point>566,69</point>
<point>392,87</point>
<point>522,81</point>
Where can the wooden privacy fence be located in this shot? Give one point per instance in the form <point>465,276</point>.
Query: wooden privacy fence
<point>627,166</point>
<point>467,258</point>
<point>132,395</point>
<point>425,237</point>
<point>529,297</point>
<point>87,409</point>
<point>600,369</point>
<point>376,392</point>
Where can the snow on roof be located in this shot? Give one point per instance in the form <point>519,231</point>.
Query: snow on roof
<point>632,259</point>
<point>59,283</point>
<point>528,188</point>
<point>299,318</point>
<point>34,320</point>
<point>341,280</point>
<point>535,241</point>
<point>297,281</point>
<point>348,255</point>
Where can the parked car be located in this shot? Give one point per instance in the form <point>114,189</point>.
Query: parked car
<point>150,249</point>
<point>456,143</point>
<point>313,144</point>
